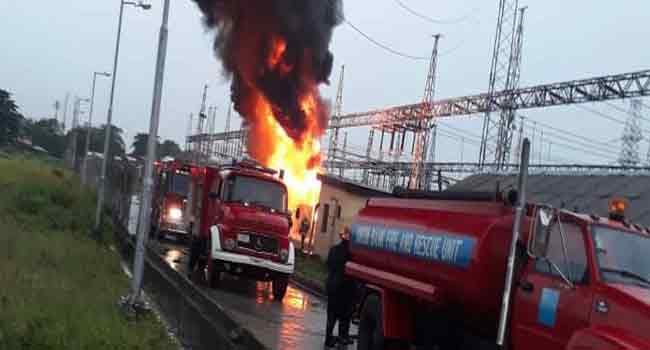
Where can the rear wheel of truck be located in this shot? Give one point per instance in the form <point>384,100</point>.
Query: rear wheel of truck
<point>371,332</point>
<point>280,284</point>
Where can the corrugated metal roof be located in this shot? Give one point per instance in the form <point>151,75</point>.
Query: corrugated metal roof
<point>352,187</point>
<point>588,194</point>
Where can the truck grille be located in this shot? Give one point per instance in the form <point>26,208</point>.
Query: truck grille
<point>260,244</point>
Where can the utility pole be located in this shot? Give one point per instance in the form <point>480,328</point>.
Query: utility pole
<point>57,106</point>
<point>65,111</point>
<point>84,166</point>
<point>371,137</point>
<point>227,129</point>
<point>521,137</point>
<point>74,131</point>
<point>417,177</point>
<point>109,117</point>
<point>432,144</point>
<point>503,70</point>
<point>200,125</point>
<point>335,120</point>
<point>189,133</point>
<point>138,265</point>
<point>344,152</point>
<point>632,136</point>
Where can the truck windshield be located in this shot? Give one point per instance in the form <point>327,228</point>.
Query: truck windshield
<point>255,191</point>
<point>622,256</point>
<point>181,184</point>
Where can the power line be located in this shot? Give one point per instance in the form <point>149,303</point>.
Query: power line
<point>604,154</point>
<point>388,48</point>
<point>623,110</point>
<point>429,19</point>
<point>384,46</point>
<point>338,13</point>
<point>606,116</point>
<point>587,141</point>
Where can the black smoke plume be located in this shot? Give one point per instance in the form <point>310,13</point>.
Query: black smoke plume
<point>246,32</point>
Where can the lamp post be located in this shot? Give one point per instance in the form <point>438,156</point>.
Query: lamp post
<point>84,165</point>
<point>143,220</point>
<point>109,117</point>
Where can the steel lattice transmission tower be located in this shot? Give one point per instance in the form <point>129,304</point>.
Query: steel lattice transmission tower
<point>336,118</point>
<point>632,136</point>
<point>504,76</point>
<point>425,124</point>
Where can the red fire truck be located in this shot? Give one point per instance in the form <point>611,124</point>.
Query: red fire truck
<point>433,267</point>
<point>243,225</point>
<point>172,186</point>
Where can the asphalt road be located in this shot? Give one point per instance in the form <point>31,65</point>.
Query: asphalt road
<point>298,322</point>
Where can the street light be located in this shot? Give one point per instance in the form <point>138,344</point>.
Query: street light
<point>109,117</point>
<point>84,165</point>
<point>138,263</point>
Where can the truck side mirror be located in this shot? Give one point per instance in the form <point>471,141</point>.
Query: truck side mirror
<point>539,233</point>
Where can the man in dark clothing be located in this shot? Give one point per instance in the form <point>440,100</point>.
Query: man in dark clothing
<point>340,291</point>
<point>304,228</point>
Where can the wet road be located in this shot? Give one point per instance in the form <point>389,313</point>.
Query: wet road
<point>298,322</point>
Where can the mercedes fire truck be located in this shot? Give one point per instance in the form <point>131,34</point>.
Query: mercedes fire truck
<point>243,225</point>
<point>171,189</point>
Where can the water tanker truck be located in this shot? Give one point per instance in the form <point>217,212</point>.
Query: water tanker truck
<point>439,271</point>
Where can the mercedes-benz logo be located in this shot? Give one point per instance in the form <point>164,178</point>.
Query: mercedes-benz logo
<point>258,244</point>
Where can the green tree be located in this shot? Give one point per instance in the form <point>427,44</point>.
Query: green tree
<point>11,121</point>
<point>116,143</point>
<point>168,148</point>
<point>139,145</point>
<point>46,133</point>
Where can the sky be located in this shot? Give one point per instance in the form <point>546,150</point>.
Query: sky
<point>53,48</point>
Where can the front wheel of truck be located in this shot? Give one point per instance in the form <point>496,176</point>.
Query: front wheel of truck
<point>280,284</point>
<point>371,332</point>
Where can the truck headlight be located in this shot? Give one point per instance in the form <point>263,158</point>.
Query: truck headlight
<point>284,255</point>
<point>175,213</point>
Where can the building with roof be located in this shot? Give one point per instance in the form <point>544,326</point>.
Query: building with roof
<point>339,202</point>
<point>588,194</point>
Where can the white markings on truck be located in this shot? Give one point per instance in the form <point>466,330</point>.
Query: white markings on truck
<point>444,247</point>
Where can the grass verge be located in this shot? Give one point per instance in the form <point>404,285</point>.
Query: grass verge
<point>59,288</point>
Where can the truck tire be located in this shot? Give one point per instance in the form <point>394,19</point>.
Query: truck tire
<point>280,284</point>
<point>371,329</point>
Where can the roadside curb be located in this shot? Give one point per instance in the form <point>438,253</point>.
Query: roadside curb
<point>209,325</point>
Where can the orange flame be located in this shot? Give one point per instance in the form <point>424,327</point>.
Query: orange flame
<point>269,143</point>
<point>300,160</point>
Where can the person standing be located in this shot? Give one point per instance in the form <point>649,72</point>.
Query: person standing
<point>340,291</point>
<point>304,228</point>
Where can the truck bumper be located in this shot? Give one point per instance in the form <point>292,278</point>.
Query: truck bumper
<point>174,228</point>
<point>240,259</point>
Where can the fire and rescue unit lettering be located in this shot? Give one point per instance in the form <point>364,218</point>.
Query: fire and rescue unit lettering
<point>442,247</point>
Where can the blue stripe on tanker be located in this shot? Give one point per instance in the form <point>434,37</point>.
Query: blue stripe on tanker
<point>443,247</point>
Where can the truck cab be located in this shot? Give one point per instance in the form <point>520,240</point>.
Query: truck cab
<point>171,188</point>
<point>243,225</point>
<point>433,272</point>
<point>586,284</point>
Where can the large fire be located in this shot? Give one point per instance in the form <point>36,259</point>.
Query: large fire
<point>277,53</point>
<point>300,160</point>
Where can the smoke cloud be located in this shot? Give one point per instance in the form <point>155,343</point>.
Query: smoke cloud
<point>277,50</point>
